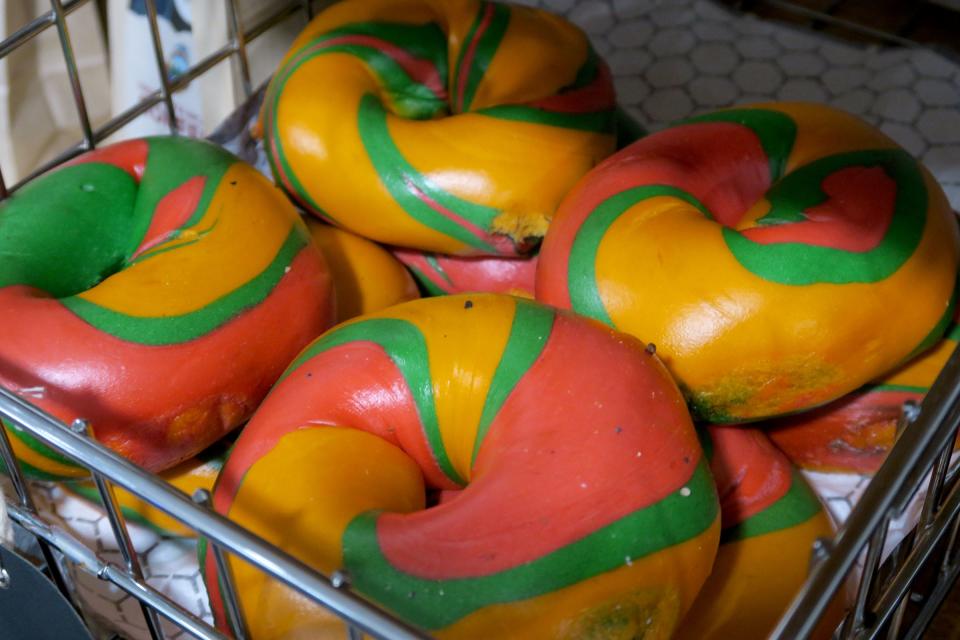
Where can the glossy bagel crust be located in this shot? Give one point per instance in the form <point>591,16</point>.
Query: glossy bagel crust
<point>443,275</point>
<point>140,289</point>
<point>568,500</point>
<point>452,126</point>
<point>760,248</point>
<point>366,277</point>
<point>855,433</point>
<point>770,520</point>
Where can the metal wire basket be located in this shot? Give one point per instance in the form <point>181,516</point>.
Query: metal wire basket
<point>897,597</point>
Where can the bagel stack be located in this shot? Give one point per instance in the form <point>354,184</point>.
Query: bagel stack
<point>468,122</point>
<point>141,288</point>
<point>484,465</point>
<point>570,517</point>
<point>758,248</point>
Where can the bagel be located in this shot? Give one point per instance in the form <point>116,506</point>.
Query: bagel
<point>140,288</point>
<point>855,433</point>
<point>441,275</point>
<point>760,248</point>
<point>447,126</point>
<point>366,277</point>
<point>569,501</point>
<point>770,520</point>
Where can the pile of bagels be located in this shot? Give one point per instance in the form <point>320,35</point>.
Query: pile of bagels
<point>590,425</point>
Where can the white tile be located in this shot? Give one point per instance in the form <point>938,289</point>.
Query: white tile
<point>672,42</point>
<point>944,162</point>
<point>758,77</point>
<point>882,59</point>
<point>671,14</point>
<point>797,40</point>
<point>707,10</point>
<point>593,16</point>
<point>940,126</point>
<point>803,90</point>
<point>668,106</point>
<point>937,93</point>
<point>899,75</point>
<point>713,92</point>
<point>631,90</point>
<point>669,72</point>
<point>758,47</point>
<point>931,64</point>
<point>857,101</point>
<point>906,136</point>
<point>842,79</point>
<point>708,31</point>
<point>802,63</point>
<point>837,53</point>
<point>715,58</point>
<point>897,104</point>
<point>629,61</point>
<point>750,25</point>
<point>633,8</point>
<point>631,33</point>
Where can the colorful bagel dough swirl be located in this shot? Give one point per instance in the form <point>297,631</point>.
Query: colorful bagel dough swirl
<point>770,520</point>
<point>570,500</point>
<point>441,275</point>
<point>199,472</point>
<point>366,277</point>
<point>140,288</point>
<point>447,126</point>
<point>855,433</point>
<point>759,248</point>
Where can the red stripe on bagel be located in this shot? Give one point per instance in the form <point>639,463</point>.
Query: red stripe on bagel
<point>855,216</point>
<point>352,385</point>
<point>572,449</point>
<point>126,389</point>
<point>596,96</point>
<point>466,63</point>
<point>172,212</point>
<point>751,474</point>
<point>721,164</point>
<point>420,71</point>
<point>854,433</point>
<point>475,229</point>
<point>131,156</point>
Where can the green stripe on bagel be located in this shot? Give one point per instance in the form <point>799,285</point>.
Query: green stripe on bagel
<point>797,505</point>
<point>528,336</point>
<point>581,271</point>
<point>798,264</point>
<point>409,98</point>
<point>405,344</point>
<point>404,182</point>
<point>189,326</point>
<point>435,604</point>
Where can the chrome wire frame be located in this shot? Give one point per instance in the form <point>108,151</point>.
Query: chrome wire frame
<point>886,590</point>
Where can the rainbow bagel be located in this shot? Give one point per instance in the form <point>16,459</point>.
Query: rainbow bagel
<point>569,501</point>
<point>441,275</point>
<point>757,248</point>
<point>366,277</point>
<point>162,329</point>
<point>453,127</point>
<point>771,519</point>
<point>855,433</point>
<point>199,472</point>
